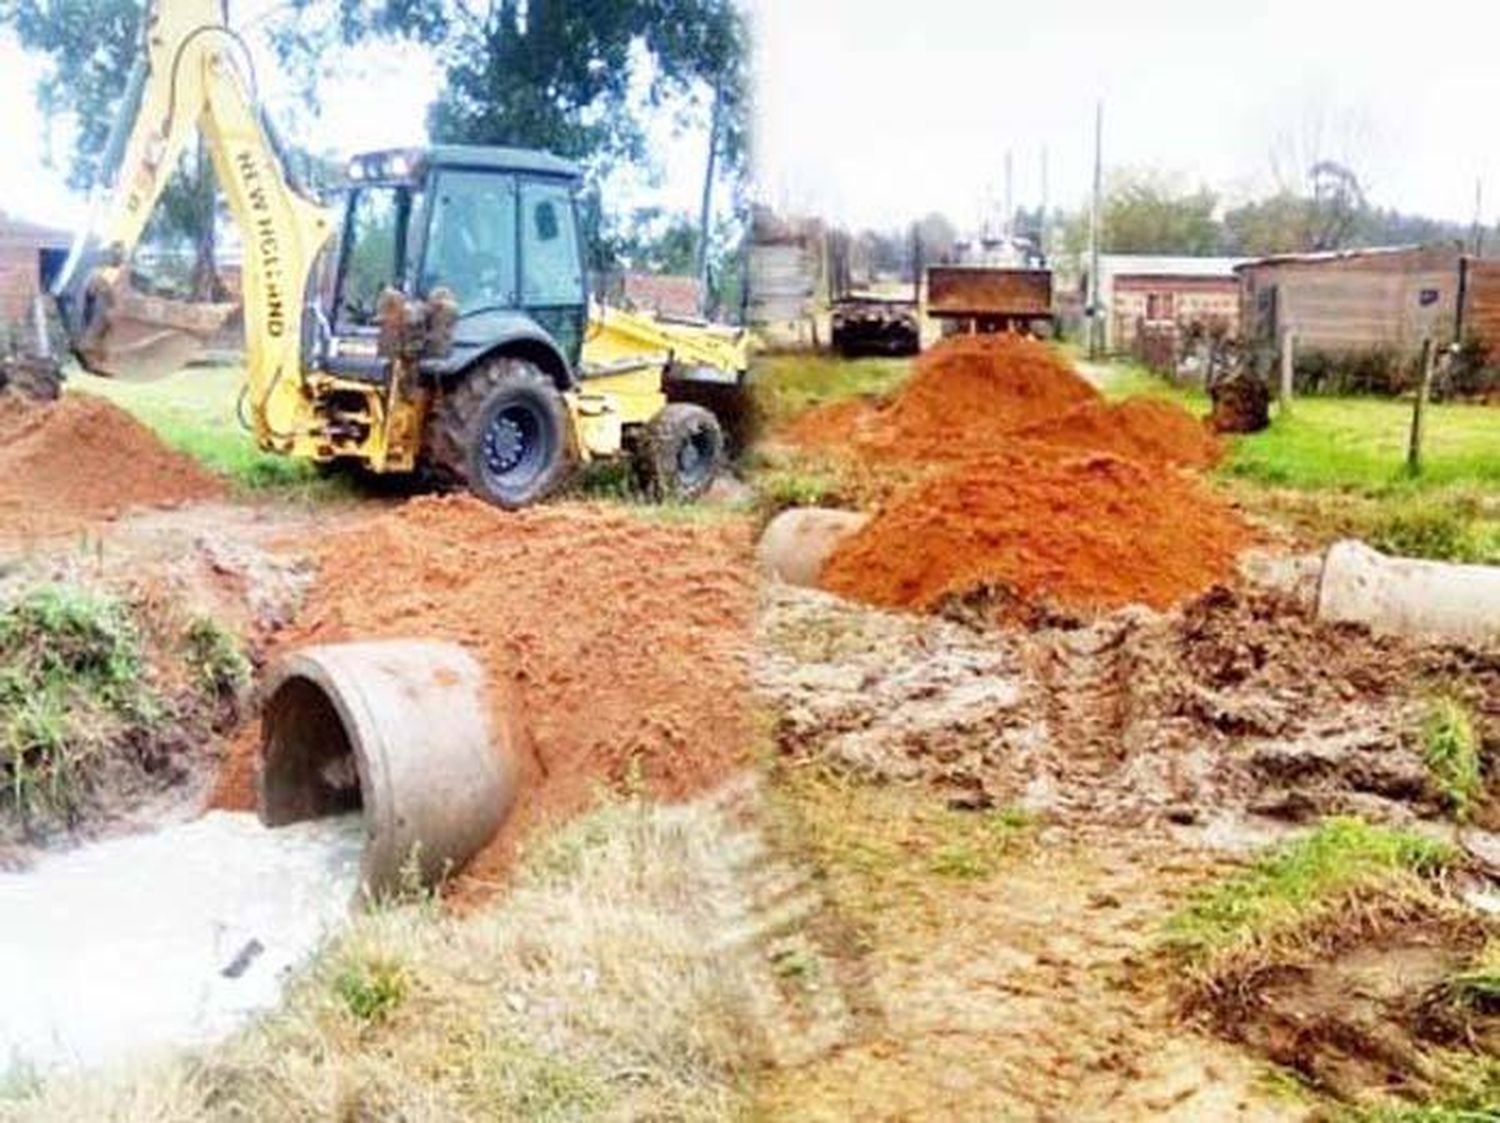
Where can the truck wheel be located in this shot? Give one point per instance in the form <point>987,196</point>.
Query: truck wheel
<point>502,431</point>
<point>681,452</point>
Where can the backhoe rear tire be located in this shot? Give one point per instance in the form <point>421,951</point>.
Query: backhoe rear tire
<point>681,452</point>
<point>502,432</point>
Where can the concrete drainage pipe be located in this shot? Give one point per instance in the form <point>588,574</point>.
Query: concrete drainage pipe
<point>1403,596</point>
<point>399,730</point>
<point>796,543</point>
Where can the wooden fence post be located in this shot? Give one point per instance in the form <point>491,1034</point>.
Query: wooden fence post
<point>1419,408</point>
<point>1288,370</point>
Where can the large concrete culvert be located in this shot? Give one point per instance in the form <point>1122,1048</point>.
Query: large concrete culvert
<point>398,730</point>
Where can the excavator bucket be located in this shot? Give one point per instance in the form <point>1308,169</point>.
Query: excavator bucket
<point>136,337</point>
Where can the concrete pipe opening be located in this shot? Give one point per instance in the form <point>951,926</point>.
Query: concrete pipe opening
<point>399,731</point>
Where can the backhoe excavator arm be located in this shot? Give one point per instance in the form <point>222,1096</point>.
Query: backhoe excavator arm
<point>195,75</point>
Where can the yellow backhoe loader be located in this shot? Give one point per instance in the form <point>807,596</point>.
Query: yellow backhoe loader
<point>439,320</point>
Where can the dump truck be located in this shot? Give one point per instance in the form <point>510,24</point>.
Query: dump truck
<point>981,298</point>
<point>437,319</point>
<point>872,325</point>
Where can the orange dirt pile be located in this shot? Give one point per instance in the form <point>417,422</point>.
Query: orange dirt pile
<point>1092,532</point>
<point>81,459</point>
<point>961,396</point>
<point>977,395</point>
<point>617,649</point>
<point>1153,431</point>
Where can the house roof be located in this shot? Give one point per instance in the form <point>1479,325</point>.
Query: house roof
<point>20,232</point>
<point>1346,255</point>
<point>1166,265</point>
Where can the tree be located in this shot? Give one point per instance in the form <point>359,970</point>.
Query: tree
<point>577,78</point>
<point>937,236</point>
<point>1281,223</point>
<point>1145,213</point>
<point>90,47</point>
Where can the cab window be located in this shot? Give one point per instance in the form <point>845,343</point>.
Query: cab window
<point>471,245</point>
<point>553,271</point>
<point>374,225</point>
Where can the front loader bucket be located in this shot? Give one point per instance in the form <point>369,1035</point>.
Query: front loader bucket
<point>136,338</point>
<point>399,730</point>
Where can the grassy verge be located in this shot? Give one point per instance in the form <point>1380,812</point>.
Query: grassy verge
<point>786,385</point>
<point>97,696</point>
<point>1337,467</point>
<point>1307,956</point>
<point>600,986</point>
<point>196,412</point>
<point>1287,896</point>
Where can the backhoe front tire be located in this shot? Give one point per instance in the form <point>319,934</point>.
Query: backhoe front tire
<point>502,431</point>
<point>681,452</point>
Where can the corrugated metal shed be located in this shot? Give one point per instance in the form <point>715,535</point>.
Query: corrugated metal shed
<point>1481,284</point>
<point>1387,297</point>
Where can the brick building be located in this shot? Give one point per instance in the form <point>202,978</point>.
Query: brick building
<point>1137,290</point>
<point>30,256</point>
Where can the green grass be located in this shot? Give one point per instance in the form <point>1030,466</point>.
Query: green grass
<point>786,385</point>
<point>73,678</point>
<point>1361,443</point>
<point>1450,748</point>
<point>1478,986</point>
<point>1301,882</point>
<point>1338,466</point>
<point>1345,443</point>
<point>371,987</point>
<point>215,658</point>
<point>195,412</point>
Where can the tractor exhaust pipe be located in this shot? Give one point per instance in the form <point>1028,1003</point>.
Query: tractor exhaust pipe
<point>400,731</point>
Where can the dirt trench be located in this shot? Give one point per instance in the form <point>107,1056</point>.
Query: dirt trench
<point>1235,712</point>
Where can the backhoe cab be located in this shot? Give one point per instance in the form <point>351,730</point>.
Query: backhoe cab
<point>460,278</point>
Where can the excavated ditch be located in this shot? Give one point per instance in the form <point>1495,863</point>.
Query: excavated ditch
<point>1236,704</point>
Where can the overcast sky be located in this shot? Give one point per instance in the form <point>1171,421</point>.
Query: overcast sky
<point>874,112</point>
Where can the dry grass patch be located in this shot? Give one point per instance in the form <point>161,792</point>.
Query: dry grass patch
<point>891,849</point>
<point>602,986</point>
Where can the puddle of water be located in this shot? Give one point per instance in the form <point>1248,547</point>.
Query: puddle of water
<point>168,939</point>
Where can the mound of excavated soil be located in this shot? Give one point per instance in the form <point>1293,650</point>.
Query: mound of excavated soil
<point>1091,533</point>
<point>617,650</point>
<point>1153,432</point>
<point>962,396</point>
<point>1049,492</point>
<point>972,396</point>
<point>81,459</point>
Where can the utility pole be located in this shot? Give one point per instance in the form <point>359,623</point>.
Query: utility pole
<point>1042,233</point>
<point>1095,313</point>
<point>705,215</point>
<point>1009,229</point>
<point>1477,237</point>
